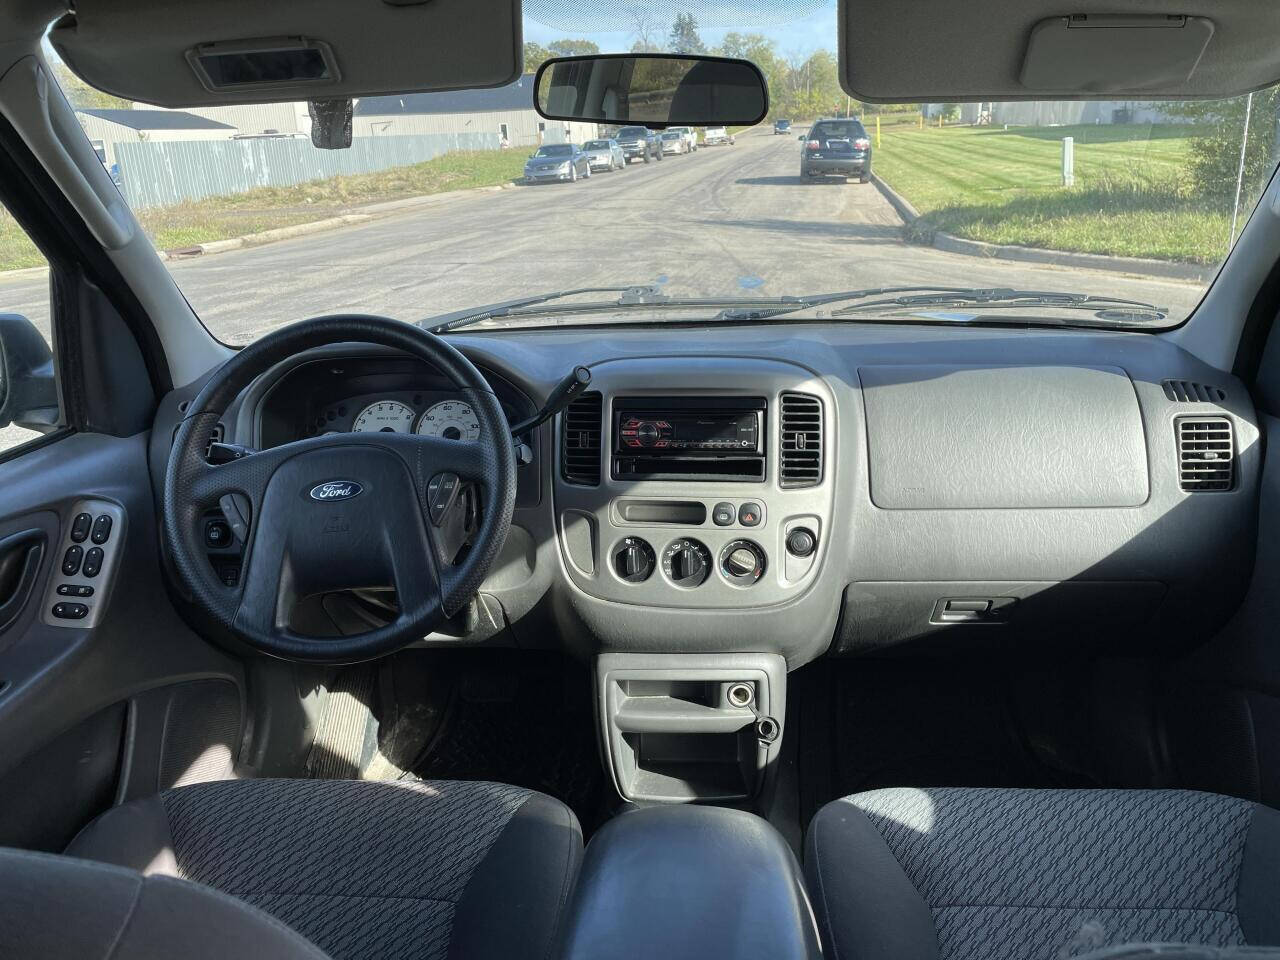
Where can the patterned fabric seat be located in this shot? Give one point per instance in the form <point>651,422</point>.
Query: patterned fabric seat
<point>971,874</point>
<point>393,870</point>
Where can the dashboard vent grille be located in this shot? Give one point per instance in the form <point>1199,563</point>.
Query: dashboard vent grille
<point>801,436</point>
<point>1188,391</point>
<point>1206,454</point>
<point>580,440</point>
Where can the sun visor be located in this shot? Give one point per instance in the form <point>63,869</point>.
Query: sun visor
<point>924,50</point>
<point>246,51</point>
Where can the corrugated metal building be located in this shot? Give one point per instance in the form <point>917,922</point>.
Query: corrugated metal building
<point>251,119</point>
<point>106,128</point>
<point>507,111</point>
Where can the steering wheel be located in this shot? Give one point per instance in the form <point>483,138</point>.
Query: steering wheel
<point>341,510</point>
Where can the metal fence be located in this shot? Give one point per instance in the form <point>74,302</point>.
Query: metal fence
<point>160,173</point>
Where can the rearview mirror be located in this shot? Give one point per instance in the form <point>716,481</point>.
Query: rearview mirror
<point>28,391</point>
<point>653,89</point>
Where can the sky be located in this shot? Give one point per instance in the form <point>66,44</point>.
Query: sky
<point>795,26</point>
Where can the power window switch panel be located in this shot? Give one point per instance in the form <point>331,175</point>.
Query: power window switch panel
<point>70,611</point>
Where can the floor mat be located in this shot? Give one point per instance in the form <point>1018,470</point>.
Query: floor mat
<point>868,724</point>
<point>519,717</point>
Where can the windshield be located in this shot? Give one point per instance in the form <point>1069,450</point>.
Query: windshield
<point>597,145</point>
<point>1111,213</point>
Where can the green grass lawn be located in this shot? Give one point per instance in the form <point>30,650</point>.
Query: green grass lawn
<point>218,218</point>
<point>984,183</point>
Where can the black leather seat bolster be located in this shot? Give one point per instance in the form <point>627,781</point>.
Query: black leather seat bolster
<point>861,894</point>
<point>1258,894</point>
<point>663,883</point>
<point>59,908</point>
<point>515,901</point>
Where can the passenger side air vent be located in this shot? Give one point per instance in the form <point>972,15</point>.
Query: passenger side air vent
<point>1188,391</point>
<point>580,440</point>
<point>801,440</point>
<point>1206,454</point>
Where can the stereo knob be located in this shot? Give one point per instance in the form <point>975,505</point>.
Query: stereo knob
<point>634,561</point>
<point>742,562</point>
<point>687,562</point>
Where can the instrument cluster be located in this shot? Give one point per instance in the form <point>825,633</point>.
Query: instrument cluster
<point>429,414</point>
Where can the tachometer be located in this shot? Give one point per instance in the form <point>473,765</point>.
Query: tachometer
<point>384,416</point>
<point>451,419</point>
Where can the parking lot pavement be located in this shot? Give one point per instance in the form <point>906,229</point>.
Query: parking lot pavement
<point>723,221</point>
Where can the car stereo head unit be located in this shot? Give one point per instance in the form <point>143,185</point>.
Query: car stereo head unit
<point>661,438</point>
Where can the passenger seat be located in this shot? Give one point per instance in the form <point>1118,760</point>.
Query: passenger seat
<point>1000,874</point>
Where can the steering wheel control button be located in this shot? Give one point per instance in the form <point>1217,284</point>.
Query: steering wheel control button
<point>75,590</point>
<point>80,527</point>
<point>71,560</point>
<point>235,508</point>
<point>70,611</point>
<point>101,529</point>
<point>441,491</point>
<point>634,560</point>
<point>686,562</point>
<point>217,534</point>
<point>723,514</point>
<point>750,514</point>
<point>92,562</point>
<point>742,562</point>
<point>801,542</point>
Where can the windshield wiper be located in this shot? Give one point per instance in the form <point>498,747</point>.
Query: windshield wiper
<point>999,297</point>
<point>637,296</point>
<point>464,318</point>
<point>763,308</point>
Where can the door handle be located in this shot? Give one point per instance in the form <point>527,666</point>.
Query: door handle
<point>20,556</point>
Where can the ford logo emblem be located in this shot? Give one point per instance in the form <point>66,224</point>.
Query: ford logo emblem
<point>336,490</point>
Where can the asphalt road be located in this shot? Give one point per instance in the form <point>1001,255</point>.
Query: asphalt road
<point>725,221</point>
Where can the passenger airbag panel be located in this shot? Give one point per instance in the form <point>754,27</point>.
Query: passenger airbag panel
<point>956,437</point>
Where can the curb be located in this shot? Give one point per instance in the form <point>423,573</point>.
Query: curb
<point>1141,266</point>
<point>23,273</point>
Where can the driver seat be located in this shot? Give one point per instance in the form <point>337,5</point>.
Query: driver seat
<point>393,870</point>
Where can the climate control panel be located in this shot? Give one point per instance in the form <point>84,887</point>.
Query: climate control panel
<point>688,563</point>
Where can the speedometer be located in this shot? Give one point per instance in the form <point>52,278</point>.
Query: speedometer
<point>384,416</point>
<point>451,419</point>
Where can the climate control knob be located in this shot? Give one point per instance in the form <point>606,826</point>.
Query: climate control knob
<point>686,562</point>
<point>633,560</point>
<point>742,562</point>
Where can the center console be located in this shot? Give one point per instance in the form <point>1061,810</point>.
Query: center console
<point>689,882</point>
<point>701,489</point>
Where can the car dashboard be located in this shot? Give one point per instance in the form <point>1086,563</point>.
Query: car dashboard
<point>864,489</point>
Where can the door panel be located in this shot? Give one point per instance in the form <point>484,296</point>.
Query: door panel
<point>54,679</point>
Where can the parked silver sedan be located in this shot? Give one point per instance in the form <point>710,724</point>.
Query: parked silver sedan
<point>604,155</point>
<point>556,161</point>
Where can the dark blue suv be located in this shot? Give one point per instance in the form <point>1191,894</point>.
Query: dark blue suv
<point>837,148</point>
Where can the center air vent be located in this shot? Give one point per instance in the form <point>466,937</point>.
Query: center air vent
<point>580,440</point>
<point>1188,391</point>
<point>801,439</point>
<point>1206,454</point>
